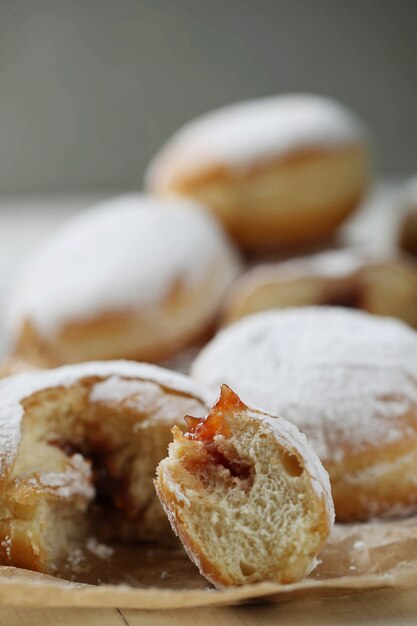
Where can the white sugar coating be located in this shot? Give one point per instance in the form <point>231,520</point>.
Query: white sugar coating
<point>116,389</point>
<point>128,253</point>
<point>15,389</point>
<point>101,550</point>
<point>144,396</point>
<point>76,481</point>
<point>242,134</point>
<point>344,377</point>
<point>286,434</point>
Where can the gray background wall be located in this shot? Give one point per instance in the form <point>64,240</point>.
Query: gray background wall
<point>90,88</point>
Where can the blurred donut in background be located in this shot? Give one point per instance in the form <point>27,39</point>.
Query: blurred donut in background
<point>407,238</point>
<point>280,171</point>
<point>135,277</point>
<point>379,284</point>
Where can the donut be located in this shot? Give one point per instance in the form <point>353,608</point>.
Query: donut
<point>279,171</point>
<point>246,494</point>
<point>345,378</point>
<point>78,450</point>
<point>379,284</point>
<point>407,236</point>
<point>135,277</point>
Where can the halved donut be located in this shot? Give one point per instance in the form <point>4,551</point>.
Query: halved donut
<point>246,494</point>
<point>78,450</point>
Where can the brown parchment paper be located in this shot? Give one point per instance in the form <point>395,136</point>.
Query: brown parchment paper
<point>357,557</point>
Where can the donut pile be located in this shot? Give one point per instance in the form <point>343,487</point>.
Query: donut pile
<point>301,402</point>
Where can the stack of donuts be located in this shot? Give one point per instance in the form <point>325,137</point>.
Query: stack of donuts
<point>300,402</point>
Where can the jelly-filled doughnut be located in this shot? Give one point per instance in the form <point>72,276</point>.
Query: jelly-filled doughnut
<point>135,277</point>
<point>279,171</point>
<point>78,450</point>
<point>347,379</point>
<point>246,494</point>
<point>379,284</point>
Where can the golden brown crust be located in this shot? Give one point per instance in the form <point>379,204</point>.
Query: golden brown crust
<point>296,199</point>
<point>226,174</point>
<point>35,352</point>
<point>381,286</point>
<point>207,568</point>
<point>18,549</point>
<point>376,481</point>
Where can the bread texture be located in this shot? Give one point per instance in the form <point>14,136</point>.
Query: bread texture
<point>282,171</point>
<point>135,277</point>
<point>379,284</point>
<point>78,450</point>
<point>345,378</point>
<point>246,495</point>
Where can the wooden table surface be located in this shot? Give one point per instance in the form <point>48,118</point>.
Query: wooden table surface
<point>23,223</point>
<point>387,608</point>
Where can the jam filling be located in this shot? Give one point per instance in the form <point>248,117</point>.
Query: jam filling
<point>205,430</point>
<point>215,423</point>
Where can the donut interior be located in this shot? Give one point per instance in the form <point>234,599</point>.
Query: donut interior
<point>84,469</point>
<point>240,499</point>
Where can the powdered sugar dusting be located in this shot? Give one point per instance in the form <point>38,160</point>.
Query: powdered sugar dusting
<point>117,389</point>
<point>129,253</point>
<point>245,133</point>
<point>144,396</point>
<point>99,550</point>
<point>343,377</point>
<point>77,480</point>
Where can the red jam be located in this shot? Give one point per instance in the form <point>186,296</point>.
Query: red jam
<point>215,423</point>
<point>206,429</point>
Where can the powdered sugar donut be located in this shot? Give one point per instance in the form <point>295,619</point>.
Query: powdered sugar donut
<point>282,170</point>
<point>348,380</point>
<point>134,277</point>
<point>247,495</point>
<point>79,447</point>
<point>380,284</point>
